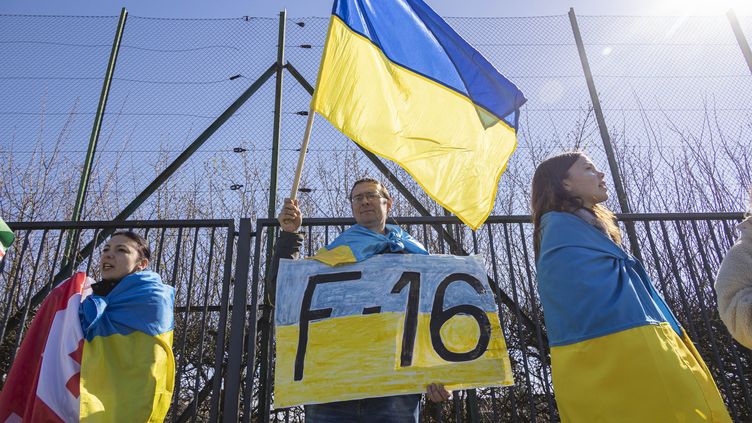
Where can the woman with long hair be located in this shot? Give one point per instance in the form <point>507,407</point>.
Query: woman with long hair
<point>617,351</point>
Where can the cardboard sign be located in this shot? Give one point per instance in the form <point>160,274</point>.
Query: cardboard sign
<point>386,326</point>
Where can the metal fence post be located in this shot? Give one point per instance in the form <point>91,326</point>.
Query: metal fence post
<point>95,129</point>
<point>739,34</point>
<point>472,405</point>
<point>612,164</point>
<point>266,324</point>
<point>98,117</point>
<point>237,325</point>
<point>277,116</point>
<point>253,327</point>
<point>222,326</point>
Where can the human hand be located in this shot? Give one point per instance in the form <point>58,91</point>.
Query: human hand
<point>290,218</point>
<point>437,393</point>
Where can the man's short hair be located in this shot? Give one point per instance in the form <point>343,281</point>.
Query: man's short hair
<point>382,189</point>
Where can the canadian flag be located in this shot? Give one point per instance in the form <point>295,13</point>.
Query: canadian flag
<point>43,383</point>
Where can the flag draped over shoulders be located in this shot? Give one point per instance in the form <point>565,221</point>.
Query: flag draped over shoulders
<point>358,243</point>
<point>403,84</point>
<point>128,368</point>
<point>94,358</point>
<point>613,337</point>
<point>43,382</point>
<point>627,300</point>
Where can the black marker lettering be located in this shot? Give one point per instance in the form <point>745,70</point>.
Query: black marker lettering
<point>307,315</point>
<point>439,316</point>
<point>411,314</point>
<point>372,310</point>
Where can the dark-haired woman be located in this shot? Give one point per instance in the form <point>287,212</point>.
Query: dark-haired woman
<point>127,367</point>
<point>618,353</point>
<point>101,356</point>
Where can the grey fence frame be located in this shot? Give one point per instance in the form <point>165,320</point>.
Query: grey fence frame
<point>682,252</point>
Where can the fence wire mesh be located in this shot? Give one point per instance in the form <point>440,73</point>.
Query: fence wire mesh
<point>675,92</point>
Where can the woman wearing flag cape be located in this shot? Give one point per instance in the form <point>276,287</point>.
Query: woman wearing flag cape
<point>617,351</point>
<point>98,352</point>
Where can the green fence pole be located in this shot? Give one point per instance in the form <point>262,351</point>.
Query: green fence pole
<point>277,114</point>
<point>96,127</point>
<point>269,300</point>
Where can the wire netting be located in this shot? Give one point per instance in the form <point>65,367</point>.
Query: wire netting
<point>50,79</point>
<point>675,93</point>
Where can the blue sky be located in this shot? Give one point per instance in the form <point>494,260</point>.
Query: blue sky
<point>302,8</point>
<point>173,78</point>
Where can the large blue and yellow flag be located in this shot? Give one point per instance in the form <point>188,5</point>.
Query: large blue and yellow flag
<point>95,358</point>
<point>127,365</point>
<point>613,337</point>
<point>401,83</point>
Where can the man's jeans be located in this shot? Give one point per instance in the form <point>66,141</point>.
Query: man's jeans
<point>397,409</point>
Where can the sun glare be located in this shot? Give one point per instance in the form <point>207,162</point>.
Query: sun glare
<point>704,7</point>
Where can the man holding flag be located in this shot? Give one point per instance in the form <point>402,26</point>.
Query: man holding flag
<point>397,80</point>
<point>371,235</point>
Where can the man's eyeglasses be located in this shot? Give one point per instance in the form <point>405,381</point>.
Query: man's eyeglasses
<point>370,196</point>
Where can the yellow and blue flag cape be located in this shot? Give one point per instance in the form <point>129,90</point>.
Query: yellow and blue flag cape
<point>403,84</point>
<point>358,243</point>
<point>127,365</point>
<point>617,351</point>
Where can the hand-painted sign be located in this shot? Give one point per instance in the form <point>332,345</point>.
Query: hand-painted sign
<point>386,326</point>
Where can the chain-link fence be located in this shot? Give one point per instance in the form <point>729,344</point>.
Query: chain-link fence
<point>676,94</point>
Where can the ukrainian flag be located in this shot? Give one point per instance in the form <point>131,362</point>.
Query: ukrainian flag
<point>401,83</point>
<point>127,366</point>
<point>618,354</point>
<point>359,243</point>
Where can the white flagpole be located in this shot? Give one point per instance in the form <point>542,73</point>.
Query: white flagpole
<point>301,158</point>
